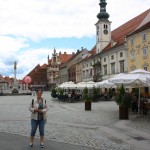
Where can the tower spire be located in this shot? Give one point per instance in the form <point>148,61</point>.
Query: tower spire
<point>103,14</point>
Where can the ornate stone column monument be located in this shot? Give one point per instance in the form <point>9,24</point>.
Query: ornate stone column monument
<point>15,84</point>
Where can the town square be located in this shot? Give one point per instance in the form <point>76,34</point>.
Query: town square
<point>65,86</point>
<point>69,123</point>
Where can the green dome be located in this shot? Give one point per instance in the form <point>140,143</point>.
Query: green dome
<point>103,15</point>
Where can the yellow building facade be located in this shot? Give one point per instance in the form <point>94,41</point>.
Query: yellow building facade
<point>138,44</point>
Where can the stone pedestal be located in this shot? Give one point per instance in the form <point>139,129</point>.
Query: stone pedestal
<point>15,86</point>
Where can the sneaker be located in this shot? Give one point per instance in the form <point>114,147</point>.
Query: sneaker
<point>41,145</point>
<point>31,145</point>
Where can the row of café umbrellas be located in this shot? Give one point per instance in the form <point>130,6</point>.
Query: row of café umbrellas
<point>136,79</point>
<point>81,85</point>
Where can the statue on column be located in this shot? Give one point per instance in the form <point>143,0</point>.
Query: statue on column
<point>15,83</point>
<point>15,65</point>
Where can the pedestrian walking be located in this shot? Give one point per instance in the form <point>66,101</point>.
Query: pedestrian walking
<point>38,110</point>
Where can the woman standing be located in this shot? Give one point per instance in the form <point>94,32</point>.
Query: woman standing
<point>38,110</point>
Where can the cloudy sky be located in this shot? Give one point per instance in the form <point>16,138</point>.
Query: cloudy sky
<point>30,29</point>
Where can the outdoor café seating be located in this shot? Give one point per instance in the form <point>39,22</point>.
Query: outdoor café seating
<point>146,106</point>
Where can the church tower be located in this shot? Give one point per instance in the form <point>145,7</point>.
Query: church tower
<point>103,28</point>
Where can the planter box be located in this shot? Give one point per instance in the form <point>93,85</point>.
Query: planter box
<point>123,113</point>
<point>87,105</point>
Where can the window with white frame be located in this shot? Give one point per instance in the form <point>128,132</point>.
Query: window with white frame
<point>131,41</point>
<point>132,55</point>
<point>122,66</point>
<point>121,54</point>
<point>143,37</point>
<point>145,51</point>
<point>112,57</point>
<point>90,73</point>
<point>105,26</point>
<point>113,68</point>
<point>83,74</point>
<point>105,59</point>
<point>83,65</point>
<point>145,67</point>
<point>97,32</point>
<point>87,73</point>
<point>105,69</point>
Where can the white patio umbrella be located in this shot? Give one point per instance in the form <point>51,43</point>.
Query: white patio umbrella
<point>148,81</point>
<point>136,78</point>
<point>81,85</point>
<point>106,84</point>
<point>67,85</point>
<point>89,85</point>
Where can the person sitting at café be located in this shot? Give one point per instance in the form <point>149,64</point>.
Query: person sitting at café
<point>134,103</point>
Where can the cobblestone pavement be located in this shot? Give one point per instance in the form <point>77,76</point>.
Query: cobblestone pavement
<point>70,123</point>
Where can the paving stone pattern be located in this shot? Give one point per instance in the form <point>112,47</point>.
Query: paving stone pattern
<point>67,122</point>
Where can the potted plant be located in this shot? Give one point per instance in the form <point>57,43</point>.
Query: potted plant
<point>123,99</point>
<point>54,93</point>
<point>61,95</point>
<point>87,99</point>
<point>95,93</point>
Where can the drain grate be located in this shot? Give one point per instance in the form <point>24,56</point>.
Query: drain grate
<point>139,138</point>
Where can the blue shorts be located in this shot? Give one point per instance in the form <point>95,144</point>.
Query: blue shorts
<point>35,124</point>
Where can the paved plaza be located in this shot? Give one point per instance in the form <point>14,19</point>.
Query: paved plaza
<point>70,127</point>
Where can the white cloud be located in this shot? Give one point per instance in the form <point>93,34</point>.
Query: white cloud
<point>59,18</point>
<point>10,44</point>
<point>49,18</point>
<point>36,19</point>
<point>27,60</point>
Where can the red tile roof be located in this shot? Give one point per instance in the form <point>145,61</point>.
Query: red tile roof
<point>118,35</point>
<point>65,57</point>
<point>142,28</point>
<point>44,66</point>
<point>93,50</point>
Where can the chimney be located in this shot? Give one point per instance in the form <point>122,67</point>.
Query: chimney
<point>65,53</point>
